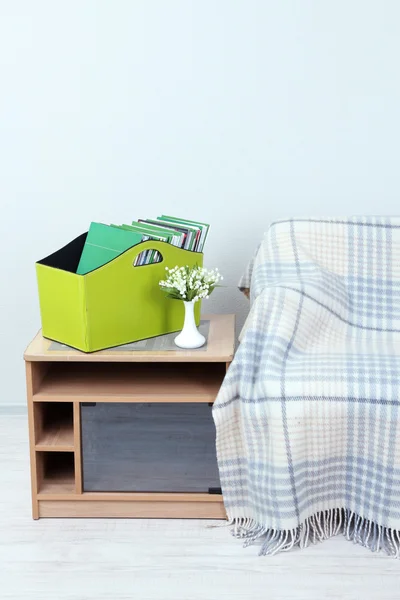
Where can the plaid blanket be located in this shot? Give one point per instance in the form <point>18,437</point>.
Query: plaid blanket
<point>307,419</point>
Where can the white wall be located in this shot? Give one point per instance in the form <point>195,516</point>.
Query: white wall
<point>235,112</point>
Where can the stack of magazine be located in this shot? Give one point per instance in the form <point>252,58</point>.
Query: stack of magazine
<point>105,242</point>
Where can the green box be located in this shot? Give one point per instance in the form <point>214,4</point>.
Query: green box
<point>114,304</point>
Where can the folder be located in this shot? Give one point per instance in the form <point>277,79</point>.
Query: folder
<point>104,243</point>
<point>147,233</point>
<point>204,227</point>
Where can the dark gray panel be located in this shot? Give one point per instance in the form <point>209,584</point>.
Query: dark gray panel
<point>160,447</point>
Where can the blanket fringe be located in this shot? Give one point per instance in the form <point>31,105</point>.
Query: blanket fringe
<point>317,528</point>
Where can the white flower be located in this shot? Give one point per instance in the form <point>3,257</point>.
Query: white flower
<point>192,283</point>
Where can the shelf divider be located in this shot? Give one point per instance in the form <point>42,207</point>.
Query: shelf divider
<point>78,448</point>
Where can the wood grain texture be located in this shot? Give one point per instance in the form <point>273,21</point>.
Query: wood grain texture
<point>150,382</point>
<point>36,375</point>
<point>133,496</point>
<point>31,385</point>
<point>58,473</point>
<point>78,448</point>
<point>133,509</point>
<point>53,426</point>
<point>154,559</point>
<point>220,348</point>
<point>57,438</point>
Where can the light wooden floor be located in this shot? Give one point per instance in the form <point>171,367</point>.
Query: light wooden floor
<point>168,560</point>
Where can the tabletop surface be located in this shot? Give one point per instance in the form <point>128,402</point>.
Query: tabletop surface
<point>219,348</point>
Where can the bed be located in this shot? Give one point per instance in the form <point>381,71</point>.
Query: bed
<point>307,419</point>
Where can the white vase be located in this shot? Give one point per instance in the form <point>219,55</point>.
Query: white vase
<point>189,337</point>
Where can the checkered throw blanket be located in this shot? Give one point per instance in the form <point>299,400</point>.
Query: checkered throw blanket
<point>308,423</point>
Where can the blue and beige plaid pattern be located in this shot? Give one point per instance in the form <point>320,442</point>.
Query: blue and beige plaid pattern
<point>308,419</point>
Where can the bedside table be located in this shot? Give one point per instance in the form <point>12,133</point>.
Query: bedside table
<point>126,432</point>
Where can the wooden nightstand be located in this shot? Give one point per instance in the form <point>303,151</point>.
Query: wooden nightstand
<point>87,463</point>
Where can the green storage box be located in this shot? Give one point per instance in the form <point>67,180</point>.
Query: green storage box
<point>114,304</point>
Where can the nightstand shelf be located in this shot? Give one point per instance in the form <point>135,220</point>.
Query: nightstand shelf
<point>130,382</point>
<point>57,473</point>
<point>54,427</point>
<point>57,438</point>
<point>126,433</point>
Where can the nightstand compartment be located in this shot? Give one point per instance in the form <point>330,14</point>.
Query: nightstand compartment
<point>131,382</point>
<point>148,447</point>
<point>54,426</point>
